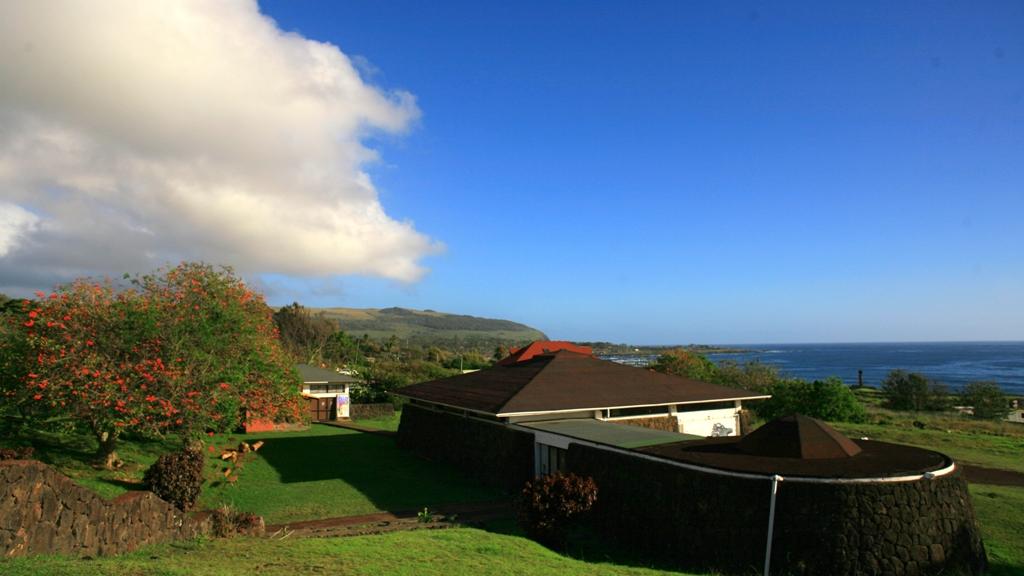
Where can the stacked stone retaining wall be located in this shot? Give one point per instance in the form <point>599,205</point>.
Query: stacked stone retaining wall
<point>43,512</point>
<point>700,521</point>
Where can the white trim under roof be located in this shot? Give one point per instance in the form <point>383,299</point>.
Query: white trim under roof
<point>539,412</point>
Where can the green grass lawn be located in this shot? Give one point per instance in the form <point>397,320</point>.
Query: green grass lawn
<point>1000,513</point>
<point>453,552</point>
<point>390,424</point>
<point>330,471</point>
<point>967,446</point>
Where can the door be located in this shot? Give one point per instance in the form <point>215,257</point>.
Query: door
<point>322,409</point>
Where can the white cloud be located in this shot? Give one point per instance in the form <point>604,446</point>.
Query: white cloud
<point>138,133</point>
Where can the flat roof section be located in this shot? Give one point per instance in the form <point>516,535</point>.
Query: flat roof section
<point>608,433</point>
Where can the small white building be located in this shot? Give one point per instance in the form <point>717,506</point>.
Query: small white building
<point>327,392</point>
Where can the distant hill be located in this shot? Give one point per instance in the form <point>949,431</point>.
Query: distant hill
<point>427,326</point>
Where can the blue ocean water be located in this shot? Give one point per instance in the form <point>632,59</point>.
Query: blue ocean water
<point>952,363</point>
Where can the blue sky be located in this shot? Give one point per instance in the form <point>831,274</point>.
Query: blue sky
<point>671,172</point>
<point>644,172</point>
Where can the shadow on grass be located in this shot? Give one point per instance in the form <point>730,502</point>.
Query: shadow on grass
<point>392,479</point>
<point>585,545</point>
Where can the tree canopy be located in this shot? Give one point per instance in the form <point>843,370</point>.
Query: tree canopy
<point>188,349</point>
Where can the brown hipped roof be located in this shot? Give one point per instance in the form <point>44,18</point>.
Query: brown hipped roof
<point>798,436</point>
<point>566,381</point>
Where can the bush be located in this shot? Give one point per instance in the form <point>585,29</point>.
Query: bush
<point>828,399</point>
<point>177,477</point>
<point>548,504</point>
<point>987,399</point>
<point>22,453</point>
<point>227,522</point>
<point>912,391</point>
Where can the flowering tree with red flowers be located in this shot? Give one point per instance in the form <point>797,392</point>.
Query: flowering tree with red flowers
<point>187,349</point>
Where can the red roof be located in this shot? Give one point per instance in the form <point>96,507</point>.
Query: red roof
<point>566,381</point>
<point>542,347</point>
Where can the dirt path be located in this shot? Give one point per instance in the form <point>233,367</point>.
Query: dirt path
<point>999,477</point>
<point>445,516</point>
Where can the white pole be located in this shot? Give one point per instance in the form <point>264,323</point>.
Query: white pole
<point>771,524</point>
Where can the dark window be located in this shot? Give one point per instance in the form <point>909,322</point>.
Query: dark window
<point>705,406</point>
<point>641,411</point>
<point>326,388</point>
<point>550,459</point>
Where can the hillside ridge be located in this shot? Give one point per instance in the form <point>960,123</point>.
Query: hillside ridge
<point>427,324</point>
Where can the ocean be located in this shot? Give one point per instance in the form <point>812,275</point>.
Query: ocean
<point>952,363</point>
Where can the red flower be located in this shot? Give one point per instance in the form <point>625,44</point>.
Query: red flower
<point>33,314</point>
<point>150,398</point>
<point>37,397</point>
<point>224,386</point>
<point>29,323</point>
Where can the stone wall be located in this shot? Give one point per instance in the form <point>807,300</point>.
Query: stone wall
<point>667,423</point>
<point>370,411</point>
<point>42,512</point>
<point>699,521</point>
<point>492,452</point>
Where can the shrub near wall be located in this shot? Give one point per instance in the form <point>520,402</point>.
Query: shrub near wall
<point>700,521</point>
<point>491,452</point>
<point>44,512</point>
<point>666,423</point>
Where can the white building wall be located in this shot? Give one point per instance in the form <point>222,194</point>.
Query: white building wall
<point>703,422</point>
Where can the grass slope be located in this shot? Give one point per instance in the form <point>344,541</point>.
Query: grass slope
<point>331,471</point>
<point>423,325</point>
<point>454,552</point>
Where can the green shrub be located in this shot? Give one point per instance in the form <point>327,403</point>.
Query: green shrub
<point>177,477</point>
<point>912,391</point>
<point>987,399</point>
<point>548,504</point>
<point>828,399</point>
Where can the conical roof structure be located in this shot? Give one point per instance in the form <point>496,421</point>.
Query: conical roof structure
<point>797,437</point>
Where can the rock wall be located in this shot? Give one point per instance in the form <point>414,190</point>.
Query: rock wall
<point>491,452</point>
<point>369,411</point>
<point>698,521</point>
<point>667,423</point>
<point>42,512</point>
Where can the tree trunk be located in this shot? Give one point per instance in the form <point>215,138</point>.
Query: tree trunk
<point>106,454</point>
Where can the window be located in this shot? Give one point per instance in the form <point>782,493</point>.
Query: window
<point>641,411</point>
<point>326,388</point>
<point>550,459</point>
<point>705,406</point>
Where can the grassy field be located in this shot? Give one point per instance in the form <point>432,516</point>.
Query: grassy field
<point>331,471</point>
<point>452,552</point>
<point>390,424</point>
<point>999,510</point>
<point>969,447</point>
